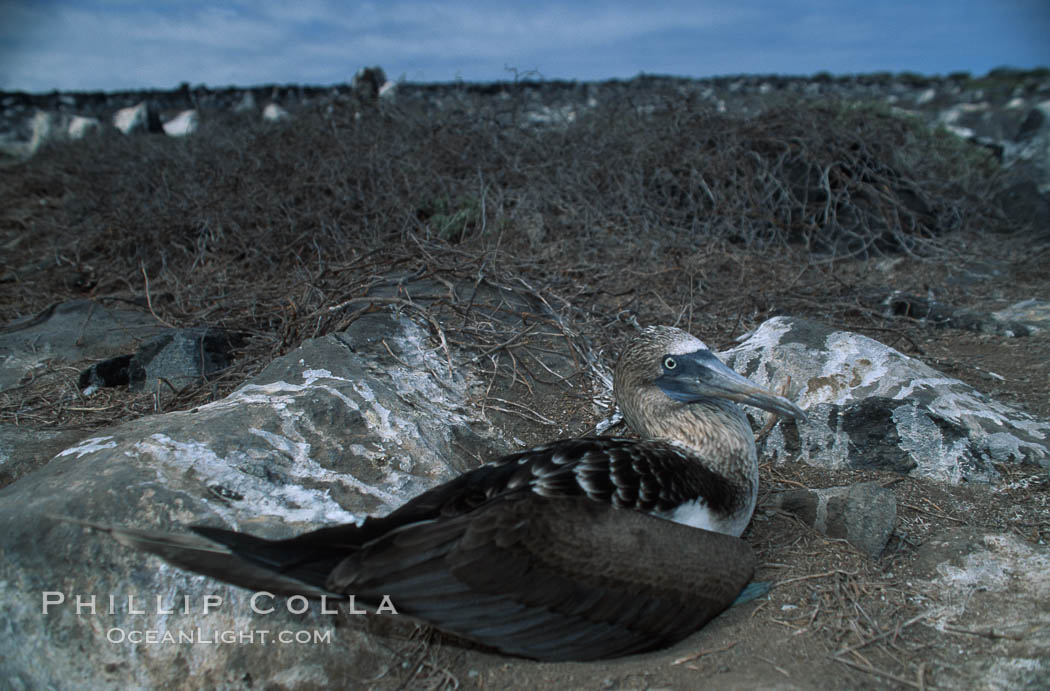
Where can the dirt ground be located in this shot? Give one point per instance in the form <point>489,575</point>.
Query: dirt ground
<point>834,618</point>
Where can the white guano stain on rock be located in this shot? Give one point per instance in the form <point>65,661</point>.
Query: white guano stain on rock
<point>378,416</point>
<point>93,445</point>
<point>1001,586</point>
<point>305,468</point>
<point>290,503</point>
<point>923,441</point>
<point>1007,559</point>
<point>398,447</point>
<point>853,362</point>
<point>822,445</point>
<point>281,398</point>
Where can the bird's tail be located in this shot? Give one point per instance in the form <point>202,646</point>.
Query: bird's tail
<point>281,567</point>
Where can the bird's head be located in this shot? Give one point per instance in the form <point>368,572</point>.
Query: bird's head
<point>666,368</point>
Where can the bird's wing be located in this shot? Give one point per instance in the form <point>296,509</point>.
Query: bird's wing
<point>553,579</point>
<point>205,556</point>
<point>645,475</point>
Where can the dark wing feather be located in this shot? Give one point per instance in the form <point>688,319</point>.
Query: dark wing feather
<point>566,579</point>
<point>204,556</point>
<point>645,475</point>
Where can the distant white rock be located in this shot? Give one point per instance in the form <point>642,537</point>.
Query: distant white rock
<point>960,118</point>
<point>80,127</point>
<point>182,124</point>
<point>274,113</point>
<point>43,129</point>
<point>246,104</point>
<point>132,119</point>
<point>963,132</point>
<point>46,127</point>
<point>925,97</point>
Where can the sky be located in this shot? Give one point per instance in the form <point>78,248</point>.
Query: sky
<point>110,45</point>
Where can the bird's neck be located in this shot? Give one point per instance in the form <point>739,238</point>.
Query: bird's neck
<point>716,429</point>
<point>717,434</point>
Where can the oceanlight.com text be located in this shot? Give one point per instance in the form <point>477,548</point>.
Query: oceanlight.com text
<point>199,636</point>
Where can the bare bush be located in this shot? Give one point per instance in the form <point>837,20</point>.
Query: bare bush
<point>647,208</point>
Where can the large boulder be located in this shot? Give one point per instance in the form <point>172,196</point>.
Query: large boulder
<point>872,406</point>
<point>335,430</point>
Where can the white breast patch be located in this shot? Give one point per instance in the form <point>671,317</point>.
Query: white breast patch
<point>696,514</point>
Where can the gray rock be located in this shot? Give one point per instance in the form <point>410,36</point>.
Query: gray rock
<point>326,434</point>
<point>137,118</point>
<point>938,314</point>
<point>246,104</point>
<point>180,358</point>
<point>23,450</point>
<point>80,127</point>
<point>168,363</point>
<point>983,119</point>
<point>46,127</point>
<point>867,402</point>
<point>185,123</point>
<point>864,514</point>
<point>70,332</point>
<point>1033,313</point>
<point>388,92</point>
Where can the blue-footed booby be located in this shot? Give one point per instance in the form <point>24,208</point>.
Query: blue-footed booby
<point>580,549</point>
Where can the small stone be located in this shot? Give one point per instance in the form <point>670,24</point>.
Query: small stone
<point>863,514</point>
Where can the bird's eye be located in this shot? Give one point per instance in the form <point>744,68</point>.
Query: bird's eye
<point>669,363</point>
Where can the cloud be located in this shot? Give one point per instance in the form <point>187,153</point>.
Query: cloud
<point>117,44</point>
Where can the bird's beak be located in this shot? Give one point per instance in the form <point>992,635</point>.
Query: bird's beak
<point>701,375</point>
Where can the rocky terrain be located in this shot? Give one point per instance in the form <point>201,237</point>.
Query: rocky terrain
<point>331,352</point>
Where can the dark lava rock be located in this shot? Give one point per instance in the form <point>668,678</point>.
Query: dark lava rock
<point>70,332</point>
<point>864,514</point>
<point>178,359</point>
